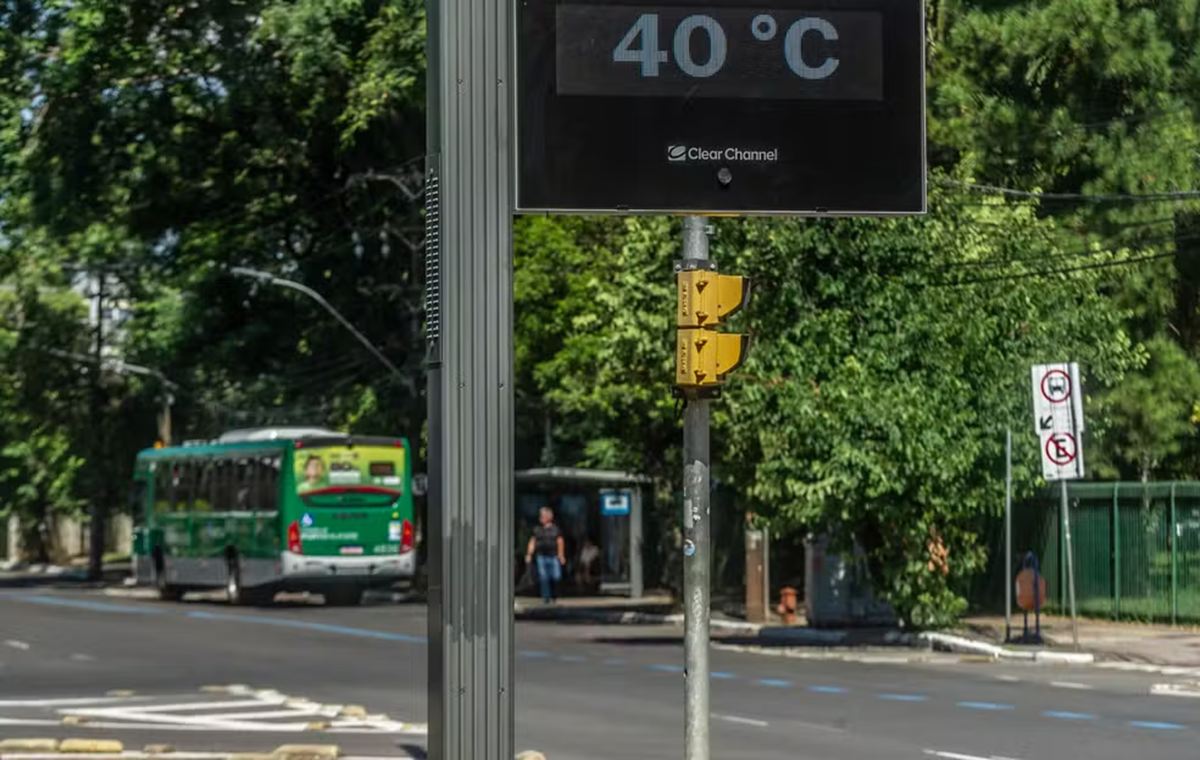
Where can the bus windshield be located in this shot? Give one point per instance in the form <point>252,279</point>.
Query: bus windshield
<point>332,470</point>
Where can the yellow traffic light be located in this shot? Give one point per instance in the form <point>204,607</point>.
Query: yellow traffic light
<point>707,298</point>
<point>704,357</point>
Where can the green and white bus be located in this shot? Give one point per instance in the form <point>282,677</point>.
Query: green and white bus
<point>261,511</point>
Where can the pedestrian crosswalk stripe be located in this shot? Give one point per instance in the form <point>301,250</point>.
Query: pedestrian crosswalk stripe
<point>265,711</point>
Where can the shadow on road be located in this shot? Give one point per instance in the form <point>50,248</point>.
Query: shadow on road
<point>414,751</point>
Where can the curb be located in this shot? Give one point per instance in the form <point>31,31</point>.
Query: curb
<point>28,745</point>
<point>623,617</point>
<point>865,658</point>
<point>1142,667</point>
<point>968,649</point>
<point>949,643</point>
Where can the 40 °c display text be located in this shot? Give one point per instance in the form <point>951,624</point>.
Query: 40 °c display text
<point>645,34</point>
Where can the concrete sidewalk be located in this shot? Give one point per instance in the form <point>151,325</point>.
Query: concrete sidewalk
<point>57,575</point>
<point>1113,642</point>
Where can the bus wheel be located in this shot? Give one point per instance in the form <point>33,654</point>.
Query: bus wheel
<point>344,597</point>
<point>166,592</point>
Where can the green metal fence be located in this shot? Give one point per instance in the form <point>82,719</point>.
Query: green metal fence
<point>1136,549</point>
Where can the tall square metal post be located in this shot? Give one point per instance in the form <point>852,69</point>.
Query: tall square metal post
<point>469,343</point>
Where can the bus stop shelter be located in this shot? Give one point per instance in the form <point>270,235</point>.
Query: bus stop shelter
<point>600,507</point>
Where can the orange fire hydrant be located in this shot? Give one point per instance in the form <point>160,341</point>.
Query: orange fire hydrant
<point>787,605</point>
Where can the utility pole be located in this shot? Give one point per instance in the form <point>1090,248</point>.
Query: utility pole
<point>164,417</point>
<point>697,565</point>
<point>703,357</point>
<point>99,495</point>
<point>1008,563</point>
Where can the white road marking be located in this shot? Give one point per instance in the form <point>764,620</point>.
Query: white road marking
<point>816,726</point>
<point>16,644</point>
<point>1071,685</point>
<point>741,720</point>
<point>262,715</point>
<point>29,722</point>
<point>1010,679</point>
<point>253,714</point>
<point>122,755</point>
<point>1174,690</point>
<point>187,706</point>
<point>955,755</point>
<point>132,755</point>
<point>961,756</point>
<point>77,657</point>
<point>65,702</point>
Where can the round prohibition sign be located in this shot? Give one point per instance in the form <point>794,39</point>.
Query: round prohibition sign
<point>1056,386</point>
<point>1060,448</point>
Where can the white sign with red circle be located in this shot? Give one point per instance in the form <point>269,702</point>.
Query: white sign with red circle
<point>1056,386</point>
<point>1061,448</point>
<point>1058,419</point>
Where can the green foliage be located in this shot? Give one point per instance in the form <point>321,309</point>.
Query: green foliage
<point>874,401</point>
<point>1152,410</point>
<point>166,141</point>
<point>39,461</point>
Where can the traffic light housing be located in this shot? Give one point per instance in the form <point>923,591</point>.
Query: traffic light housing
<point>703,356</point>
<point>706,298</point>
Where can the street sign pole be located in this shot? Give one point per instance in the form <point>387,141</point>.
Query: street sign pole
<point>1008,563</point>
<point>696,540</point>
<point>1066,524</point>
<point>469,345</point>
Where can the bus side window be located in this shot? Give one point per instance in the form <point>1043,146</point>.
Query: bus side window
<point>244,485</point>
<point>222,492</point>
<point>267,484</point>
<point>204,485</point>
<point>184,479</point>
<point>163,486</point>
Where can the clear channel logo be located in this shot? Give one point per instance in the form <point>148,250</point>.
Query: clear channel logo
<point>685,153</point>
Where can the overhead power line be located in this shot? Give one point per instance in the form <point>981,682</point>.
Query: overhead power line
<point>1048,272</point>
<point>1182,195</point>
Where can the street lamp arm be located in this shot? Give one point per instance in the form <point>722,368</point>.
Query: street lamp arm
<point>116,364</point>
<point>314,295</point>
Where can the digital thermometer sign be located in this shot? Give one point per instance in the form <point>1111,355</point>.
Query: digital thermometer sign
<point>777,108</point>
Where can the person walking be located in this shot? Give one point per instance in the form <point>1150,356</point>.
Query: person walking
<point>548,546</point>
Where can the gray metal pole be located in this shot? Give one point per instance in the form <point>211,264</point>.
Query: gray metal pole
<point>766,576</point>
<point>469,349</point>
<point>1066,524</point>
<point>99,477</point>
<point>696,541</point>
<point>636,584</point>
<point>1008,563</point>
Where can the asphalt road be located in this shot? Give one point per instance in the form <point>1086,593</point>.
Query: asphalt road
<point>583,692</point>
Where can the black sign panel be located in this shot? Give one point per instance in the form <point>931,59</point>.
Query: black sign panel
<point>789,107</point>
